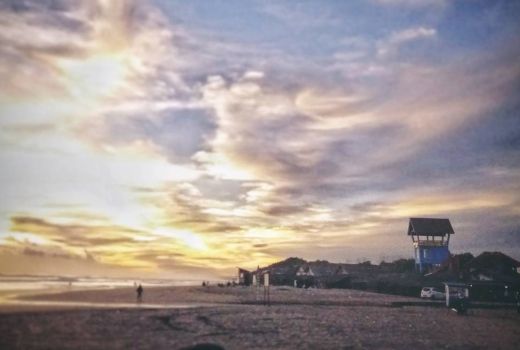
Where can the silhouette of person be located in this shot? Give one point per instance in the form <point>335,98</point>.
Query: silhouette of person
<point>461,305</point>
<point>139,291</point>
<point>518,301</point>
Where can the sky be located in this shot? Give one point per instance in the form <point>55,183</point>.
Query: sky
<point>181,139</point>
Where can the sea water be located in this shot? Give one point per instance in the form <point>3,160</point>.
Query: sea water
<point>60,283</point>
<point>12,287</point>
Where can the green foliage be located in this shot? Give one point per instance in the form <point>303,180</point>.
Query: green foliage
<point>464,258</point>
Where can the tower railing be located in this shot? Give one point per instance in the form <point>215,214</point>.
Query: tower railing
<point>430,243</point>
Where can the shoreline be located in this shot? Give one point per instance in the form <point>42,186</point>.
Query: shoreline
<point>220,295</point>
<point>172,297</point>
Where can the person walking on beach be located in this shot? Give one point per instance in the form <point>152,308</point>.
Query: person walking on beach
<point>139,291</point>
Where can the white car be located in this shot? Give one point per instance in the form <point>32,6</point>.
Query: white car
<point>432,293</point>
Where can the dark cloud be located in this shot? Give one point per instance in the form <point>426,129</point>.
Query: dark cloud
<point>31,251</point>
<point>29,31</point>
<point>43,252</point>
<point>213,227</point>
<point>74,235</point>
<point>177,133</point>
<point>282,210</point>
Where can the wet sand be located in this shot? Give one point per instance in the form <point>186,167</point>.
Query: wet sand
<point>232,318</point>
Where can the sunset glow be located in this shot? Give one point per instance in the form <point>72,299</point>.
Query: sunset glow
<point>178,139</point>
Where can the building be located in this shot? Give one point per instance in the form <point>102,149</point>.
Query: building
<point>431,238</point>
<point>245,277</point>
<point>491,276</point>
<point>493,266</point>
<point>322,274</point>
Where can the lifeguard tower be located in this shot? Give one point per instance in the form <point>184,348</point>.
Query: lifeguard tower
<point>430,238</point>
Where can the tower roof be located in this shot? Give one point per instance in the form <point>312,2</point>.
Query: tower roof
<point>430,227</point>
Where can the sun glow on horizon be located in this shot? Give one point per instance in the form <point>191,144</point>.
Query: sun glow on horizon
<point>149,136</point>
<point>189,239</point>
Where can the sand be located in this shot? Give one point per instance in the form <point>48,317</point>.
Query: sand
<point>232,318</point>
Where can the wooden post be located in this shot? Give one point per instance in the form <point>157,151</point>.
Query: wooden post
<point>267,298</point>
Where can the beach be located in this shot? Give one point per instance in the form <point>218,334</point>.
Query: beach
<point>234,318</point>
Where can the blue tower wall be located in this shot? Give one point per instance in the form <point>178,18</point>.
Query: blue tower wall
<point>429,256</point>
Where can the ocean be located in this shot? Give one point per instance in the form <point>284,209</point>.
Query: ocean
<point>59,283</point>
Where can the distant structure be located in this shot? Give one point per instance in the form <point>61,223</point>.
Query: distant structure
<point>430,238</point>
<point>245,277</point>
<point>322,274</point>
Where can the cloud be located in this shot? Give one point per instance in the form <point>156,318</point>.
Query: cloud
<point>391,45</point>
<point>139,138</point>
<point>411,34</point>
<point>114,247</point>
<point>270,112</point>
<point>30,254</point>
<point>177,134</point>
<point>73,235</point>
<point>92,54</point>
<point>300,14</point>
<point>413,3</point>
<point>363,137</point>
<point>364,125</point>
